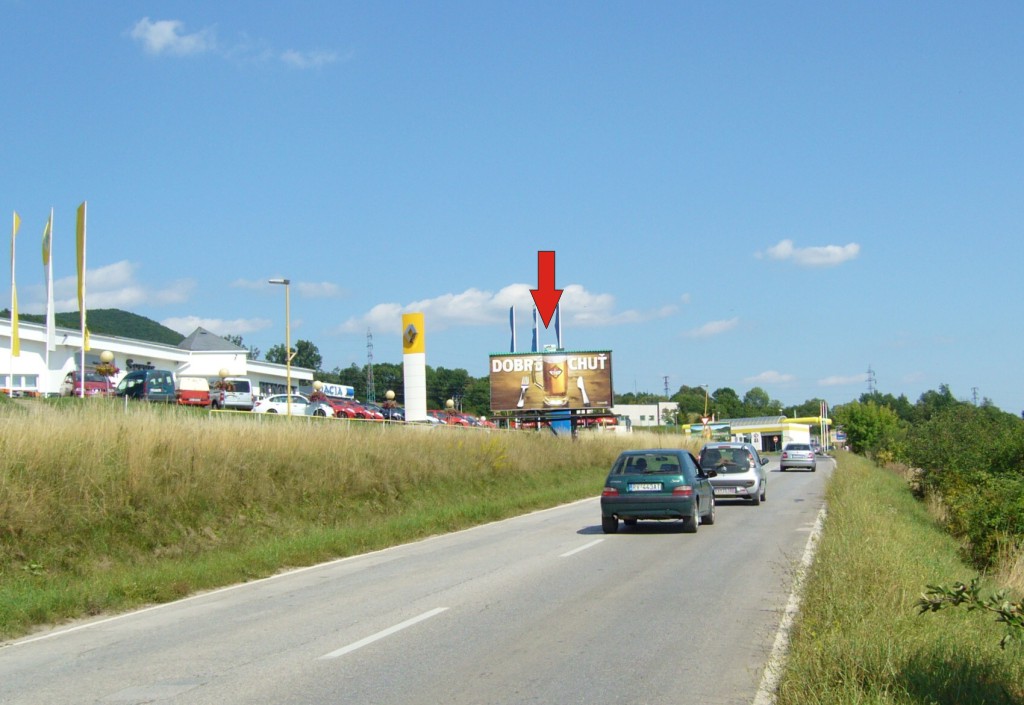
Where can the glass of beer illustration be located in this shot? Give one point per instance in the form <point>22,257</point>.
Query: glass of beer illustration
<point>556,380</point>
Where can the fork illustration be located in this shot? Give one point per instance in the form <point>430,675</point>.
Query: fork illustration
<point>524,385</point>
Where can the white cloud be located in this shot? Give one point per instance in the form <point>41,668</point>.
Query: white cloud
<point>840,380</point>
<point>308,59</point>
<point>771,377</point>
<point>824,256</point>
<point>713,328</point>
<point>167,37</point>
<point>218,326</point>
<point>319,290</point>
<point>474,307</point>
<point>114,286</point>
<point>308,290</point>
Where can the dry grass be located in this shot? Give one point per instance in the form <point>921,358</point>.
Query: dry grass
<point>104,506</point>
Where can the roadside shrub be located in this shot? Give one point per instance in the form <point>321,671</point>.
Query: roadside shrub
<point>972,459</point>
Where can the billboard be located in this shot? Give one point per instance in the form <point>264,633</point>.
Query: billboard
<point>553,380</point>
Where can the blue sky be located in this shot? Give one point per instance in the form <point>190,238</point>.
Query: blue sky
<point>738,194</point>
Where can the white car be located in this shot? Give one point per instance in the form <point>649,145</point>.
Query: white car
<point>278,404</point>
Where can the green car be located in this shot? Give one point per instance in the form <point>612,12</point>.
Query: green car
<point>657,484</point>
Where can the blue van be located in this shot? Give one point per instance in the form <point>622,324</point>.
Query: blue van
<point>148,385</point>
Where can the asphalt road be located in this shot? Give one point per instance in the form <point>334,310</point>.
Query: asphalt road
<point>544,608</point>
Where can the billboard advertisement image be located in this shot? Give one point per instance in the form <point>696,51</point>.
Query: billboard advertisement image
<point>551,380</point>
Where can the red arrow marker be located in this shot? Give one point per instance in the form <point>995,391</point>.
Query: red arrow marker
<point>546,296</point>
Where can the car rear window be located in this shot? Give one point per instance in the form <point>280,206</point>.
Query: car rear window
<point>240,385</point>
<point>162,380</point>
<point>725,460</point>
<point>798,446</point>
<point>648,464</point>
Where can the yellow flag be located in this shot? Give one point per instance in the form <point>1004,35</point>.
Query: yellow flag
<point>15,341</point>
<point>80,242</point>
<point>46,241</point>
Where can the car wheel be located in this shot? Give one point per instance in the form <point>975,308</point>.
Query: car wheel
<point>782,469</point>
<point>691,523</point>
<point>609,525</point>
<point>321,413</point>
<point>271,411</point>
<point>764,492</point>
<point>709,518</point>
<point>756,499</point>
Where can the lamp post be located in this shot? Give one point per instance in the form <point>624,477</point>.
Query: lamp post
<point>287,340</point>
<point>105,368</point>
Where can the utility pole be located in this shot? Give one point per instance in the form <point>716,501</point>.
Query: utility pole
<point>974,392</point>
<point>871,380</point>
<point>666,386</point>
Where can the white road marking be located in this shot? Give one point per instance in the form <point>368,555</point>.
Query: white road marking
<point>584,547</point>
<point>780,649</point>
<point>380,635</point>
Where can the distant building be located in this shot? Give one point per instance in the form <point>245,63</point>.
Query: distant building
<point>767,433</point>
<point>662,413</point>
<point>39,372</point>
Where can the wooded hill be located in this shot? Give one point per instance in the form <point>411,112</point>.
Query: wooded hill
<point>109,321</point>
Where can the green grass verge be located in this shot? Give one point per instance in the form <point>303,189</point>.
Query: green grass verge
<point>859,638</point>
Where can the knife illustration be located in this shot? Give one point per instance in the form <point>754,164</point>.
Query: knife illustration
<point>583,390</point>
<point>523,386</point>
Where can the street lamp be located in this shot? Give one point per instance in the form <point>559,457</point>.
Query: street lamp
<point>287,340</point>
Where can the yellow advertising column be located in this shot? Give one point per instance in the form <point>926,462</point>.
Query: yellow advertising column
<point>414,366</point>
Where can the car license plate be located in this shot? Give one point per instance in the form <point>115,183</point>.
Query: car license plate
<point>725,490</point>
<point>644,486</point>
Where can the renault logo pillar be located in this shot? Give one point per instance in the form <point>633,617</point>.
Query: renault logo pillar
<point>414,366</point>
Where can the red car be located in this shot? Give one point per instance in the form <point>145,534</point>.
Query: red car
<point>352,409</point>
<point>453,419</point>
<point>96,385</point>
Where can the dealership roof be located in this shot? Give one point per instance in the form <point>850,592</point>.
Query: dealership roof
<point>202,340</point>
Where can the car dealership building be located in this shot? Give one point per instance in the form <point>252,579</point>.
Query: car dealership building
<point>39,371</point>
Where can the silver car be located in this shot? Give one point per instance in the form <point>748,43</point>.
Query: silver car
<point>740,469</point>
<point>798,455</point>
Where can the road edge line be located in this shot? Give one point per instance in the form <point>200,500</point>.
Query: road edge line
<point>780,649</point>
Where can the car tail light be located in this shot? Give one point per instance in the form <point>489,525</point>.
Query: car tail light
<point>683,491</point>
<point>784,454</point>
<point>609,492</point>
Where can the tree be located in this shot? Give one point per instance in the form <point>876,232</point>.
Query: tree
<point>444,384</point>
<point>870,428</point>
<point>726,404</point>
<point>254,352</point>
<point>756,402</point>
<point>692,402</point>
<point>306,355</point>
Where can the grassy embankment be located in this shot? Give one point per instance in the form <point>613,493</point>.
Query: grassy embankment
<point>859,638</point>
<point>105,509</point>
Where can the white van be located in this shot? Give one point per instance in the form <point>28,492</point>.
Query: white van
<point>239,396</point>
<point>193,391</point>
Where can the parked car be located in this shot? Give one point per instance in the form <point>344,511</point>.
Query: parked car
<point>319,407</point>
<point>446,418</point>
<point>239,395</point>
<point>96,385</point>
<point>657,484</point>
<point>278,404</point>
<point>739,470</point>
<point>798,455</point>
<point>148,385</point>
<point>193,391</point>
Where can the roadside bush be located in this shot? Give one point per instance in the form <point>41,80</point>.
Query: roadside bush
<point>972,459</point>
